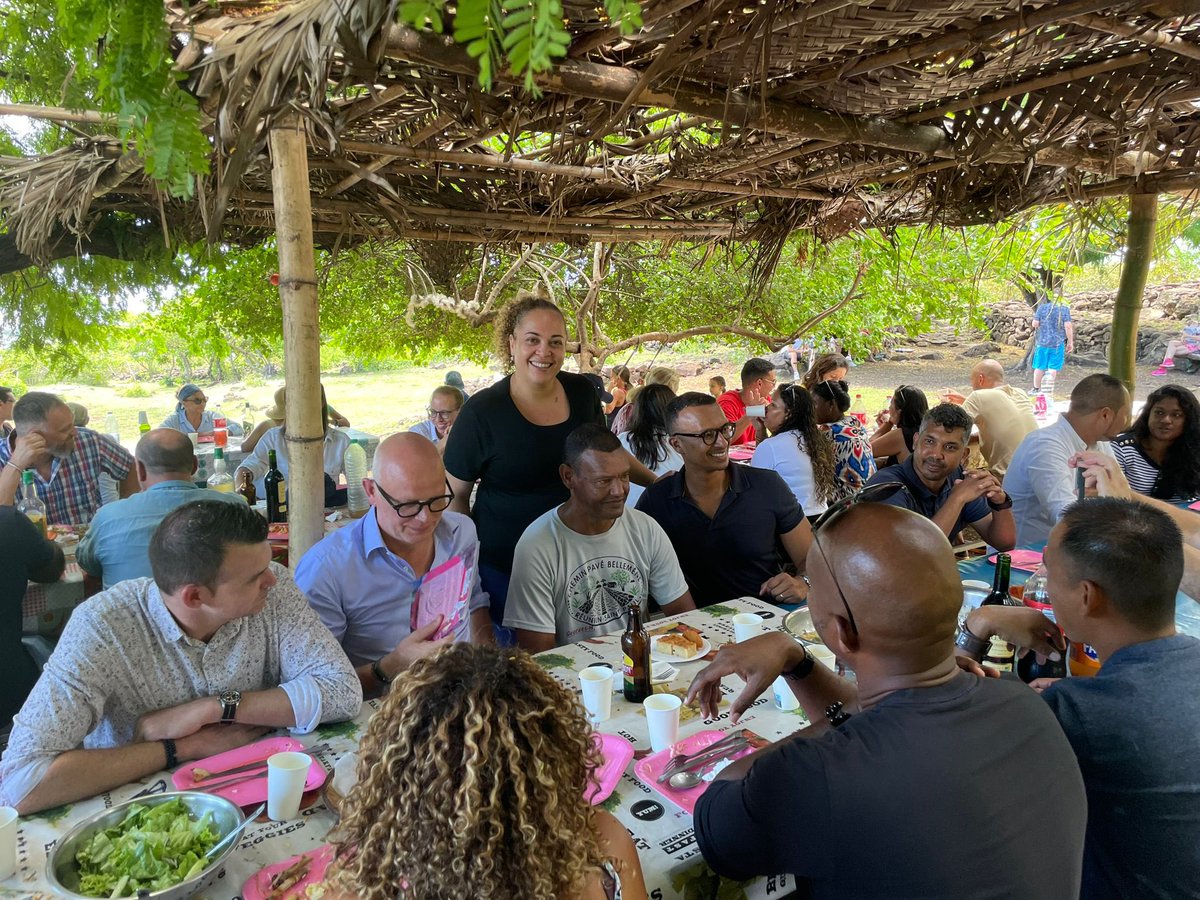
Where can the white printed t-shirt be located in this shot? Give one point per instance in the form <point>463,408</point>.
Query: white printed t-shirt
<point>580,586</point>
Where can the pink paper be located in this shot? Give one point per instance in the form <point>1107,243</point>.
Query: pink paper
<point>616,753</point>
<point>1025,560</point>
<point>652,766</point>
<point>244,793</point>
<point>445,591</point>
<point>259,885</point>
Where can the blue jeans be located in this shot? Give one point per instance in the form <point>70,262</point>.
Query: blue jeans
<point>495,582</point>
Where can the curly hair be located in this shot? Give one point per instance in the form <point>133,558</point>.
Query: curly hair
<point>1181,467</point>
<point>471,782</point>
<point>510,316</point>
<point>648,424</point>
<point>822,366</point>
<point>811,439</point>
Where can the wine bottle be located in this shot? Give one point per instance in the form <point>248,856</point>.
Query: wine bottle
<point>1000,653</point>
<point>275,487</point>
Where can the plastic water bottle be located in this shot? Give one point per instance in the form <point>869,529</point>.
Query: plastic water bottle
<point>110,427</point>
<point>356,471</point>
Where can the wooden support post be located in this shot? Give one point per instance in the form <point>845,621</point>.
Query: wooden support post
<point>1139,250</point>
<point>301,335</point>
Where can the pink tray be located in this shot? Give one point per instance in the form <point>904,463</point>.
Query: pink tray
<point>649,768</point>
<point>246,793</point>
<point>617,753</point>
<point>741,451</point>
<point>1025,560</point>
<point>259,885</point>
<point>1195,505</point>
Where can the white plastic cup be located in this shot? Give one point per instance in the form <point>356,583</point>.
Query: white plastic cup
<point>286,774</point>
<point>195,440</point>
<point>785,698</point>
<point>8,841</point>
<point>746,626</point>
<point>597,684</point>
<point>662,716</point>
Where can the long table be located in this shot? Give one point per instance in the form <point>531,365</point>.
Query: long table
<point>663,833</point>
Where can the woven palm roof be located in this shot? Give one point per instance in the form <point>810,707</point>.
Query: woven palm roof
<point>718,120</point>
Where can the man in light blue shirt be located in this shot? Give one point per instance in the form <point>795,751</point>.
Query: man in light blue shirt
<point>362,579</point>
<point>116,547</point>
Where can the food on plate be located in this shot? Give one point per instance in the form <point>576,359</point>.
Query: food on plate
<point>290,877</point>
<point>811,636</point>
<point>684,643</point>
<point>152,848</point>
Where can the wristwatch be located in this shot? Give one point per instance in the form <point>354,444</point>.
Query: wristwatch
<point>802,669</point>
<point>229,704</point>
<point>1006,503</point>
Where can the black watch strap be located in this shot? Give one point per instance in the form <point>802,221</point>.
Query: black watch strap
<point>1006,503</point>
<point>169,747</point>
<point>377,671</point>
<point>802,669</point>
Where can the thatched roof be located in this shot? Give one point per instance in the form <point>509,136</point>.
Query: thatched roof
<point>718,120</point>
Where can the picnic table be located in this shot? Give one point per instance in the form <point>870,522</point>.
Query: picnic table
<point>671,861</point>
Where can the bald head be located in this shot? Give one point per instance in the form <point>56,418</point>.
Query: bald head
<point>165,454</point>
<point>408,469</point>
<point>402,456</point>
<point>987,374</point>
<point>897,572</point>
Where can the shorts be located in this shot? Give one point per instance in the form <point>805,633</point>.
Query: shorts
<point>1049,357</point>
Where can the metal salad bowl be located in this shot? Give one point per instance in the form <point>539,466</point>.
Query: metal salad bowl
<point>62,871</point>
<point>798,623</point>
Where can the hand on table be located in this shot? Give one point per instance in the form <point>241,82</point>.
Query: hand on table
<point>785,588</point>
<point>1102,474</point>
<point>416,646</point>
<point>178,721</point>
<point>28,450</point>
<point>213,739</point>
<point>758,662</point>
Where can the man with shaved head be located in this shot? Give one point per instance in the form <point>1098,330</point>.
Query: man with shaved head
<point>1002,414</point>
<point>362,579</point>
<point>937,783</point>
<point>117,546</point>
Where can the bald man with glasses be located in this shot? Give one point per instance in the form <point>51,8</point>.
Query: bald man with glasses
<point>363,579</point>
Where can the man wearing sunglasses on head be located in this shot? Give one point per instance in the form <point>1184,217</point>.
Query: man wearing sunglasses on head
<point>735,529</point>
<point>362,579</point>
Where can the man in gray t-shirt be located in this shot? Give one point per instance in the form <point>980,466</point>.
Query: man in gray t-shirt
<point>579,567</point>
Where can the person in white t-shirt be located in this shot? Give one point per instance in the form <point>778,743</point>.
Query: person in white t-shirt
<point>443,408</point>
<point>579,567</point>
<point>798,449</point>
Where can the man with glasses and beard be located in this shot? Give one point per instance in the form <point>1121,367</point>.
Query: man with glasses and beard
<point>362,580</point>
<point>735,529</point>
<point>924,780</point>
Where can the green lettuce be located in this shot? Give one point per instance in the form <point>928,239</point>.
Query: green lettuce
<point>153,847</point>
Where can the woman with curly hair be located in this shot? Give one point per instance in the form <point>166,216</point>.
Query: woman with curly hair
<point>899,424</point>
<point>1160,454</point>
<point>647,437</point>
<point>471,783</point>
<point>826,367</point>
<point>798,450</point>
<point>854,462</point>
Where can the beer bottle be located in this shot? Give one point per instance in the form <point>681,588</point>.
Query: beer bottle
<point>1000,653</point>
<point>246,488</point>
<point>1037,596</point>
<point>635,646</point>
<point>275,487</point>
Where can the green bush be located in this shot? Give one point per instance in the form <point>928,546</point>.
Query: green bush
<point>136,390</point>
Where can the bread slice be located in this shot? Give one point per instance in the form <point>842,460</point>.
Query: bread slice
<point>677,645</point>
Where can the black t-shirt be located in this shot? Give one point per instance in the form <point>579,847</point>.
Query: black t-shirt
<point>966,790</point>
<point>515,461</point>
<point>731,555</point>
<point>26,555</point>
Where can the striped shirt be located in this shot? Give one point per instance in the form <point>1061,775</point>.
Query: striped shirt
<point>72,492</point>
<point>1140,470</point>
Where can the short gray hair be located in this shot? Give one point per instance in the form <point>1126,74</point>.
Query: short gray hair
<point>165,450</point>
<point>34,408</point>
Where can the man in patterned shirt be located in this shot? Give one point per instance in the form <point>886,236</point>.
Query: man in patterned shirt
<point>67,462</point>
<point>216,648</point>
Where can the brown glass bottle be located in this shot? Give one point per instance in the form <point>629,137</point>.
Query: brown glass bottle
<point>246,488</point>
<point>1000,654</point>
<point>275,487</point>
<point>635,647</point>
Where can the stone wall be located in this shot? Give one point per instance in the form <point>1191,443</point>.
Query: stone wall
<point>1165,309</point>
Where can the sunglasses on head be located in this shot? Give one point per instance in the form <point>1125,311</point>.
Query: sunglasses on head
<point>872,493</point>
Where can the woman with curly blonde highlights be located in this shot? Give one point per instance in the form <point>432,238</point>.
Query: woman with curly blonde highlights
<point>471,783</point>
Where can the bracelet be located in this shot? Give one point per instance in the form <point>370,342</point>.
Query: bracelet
<point>12,465</point>
<point>169,746</point>
<point>971,645</point>
<point>1004,504</point>
<point>802,669</point>
<point>377,671</point>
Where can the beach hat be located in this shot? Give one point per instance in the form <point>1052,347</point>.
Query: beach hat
<point>598,384</point>
<point>276,412</point>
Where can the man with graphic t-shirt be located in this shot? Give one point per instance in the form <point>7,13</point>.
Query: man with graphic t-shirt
<point>579,567</point>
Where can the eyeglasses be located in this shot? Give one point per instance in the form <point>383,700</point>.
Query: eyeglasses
<point>410,508</point>
<point>872,493</point>
<point>199,401</point>
<point>440,413</point>
<point>709,435</point>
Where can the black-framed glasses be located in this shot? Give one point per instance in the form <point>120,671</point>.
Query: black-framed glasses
<point>197,400</point>
<point>709,435</point>
<point>440,413</point>
<point>410,508</point>
<point>872,493</point>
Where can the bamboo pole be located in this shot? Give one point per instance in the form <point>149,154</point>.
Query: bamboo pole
<point>301,332</point>
<point>1139,250</point>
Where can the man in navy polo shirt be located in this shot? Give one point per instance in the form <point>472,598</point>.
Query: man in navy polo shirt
<point>939,488</point>
<point>735,529</point>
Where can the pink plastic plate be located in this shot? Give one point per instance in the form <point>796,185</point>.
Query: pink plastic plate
<point>245,793</point>
<point>742,452</point>
<point>616,753</point>
<point>1195,505</point>
<point>259,885</point>
<point>1025,560</point>
<point>652,766</point>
